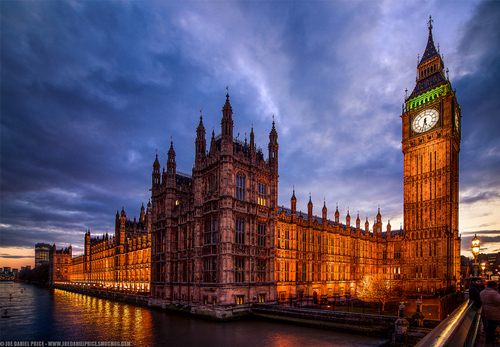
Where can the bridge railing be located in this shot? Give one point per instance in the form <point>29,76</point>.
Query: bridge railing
<point>458,329</point>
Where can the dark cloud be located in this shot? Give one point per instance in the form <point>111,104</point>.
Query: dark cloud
<point>8,256</point>
<point>91,89</point>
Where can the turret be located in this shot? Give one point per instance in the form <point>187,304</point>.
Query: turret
<point>309,210</point>
<point>155,176</point>
<point>273,150</point>
<point>378,224</point>
<point>358,223</point>
<point>367,227</point>
<point>117,221</point>
<point>121,231</point>
<point>337,216</point>
<point>227,127</point>
<point>348,221</point>
<point>200,143</point>
<point>142,214</point>
<point>87,244</point>
<point>324,213</point>
<point>149,216</point>
<point>252,142</point>
<point>293,202</point>
<point>171,165</point>
<point>213,144</point>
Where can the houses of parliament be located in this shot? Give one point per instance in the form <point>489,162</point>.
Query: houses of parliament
<point>218,236</point>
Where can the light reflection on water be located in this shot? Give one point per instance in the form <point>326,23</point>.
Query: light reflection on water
<point>39,314</point>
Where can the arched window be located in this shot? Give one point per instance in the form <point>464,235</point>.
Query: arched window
<point>240,187</point>
<point>261,199</point>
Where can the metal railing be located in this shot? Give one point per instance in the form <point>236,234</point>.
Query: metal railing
<point>458,329</point>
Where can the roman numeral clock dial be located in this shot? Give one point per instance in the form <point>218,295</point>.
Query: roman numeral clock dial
<point>425,120</point>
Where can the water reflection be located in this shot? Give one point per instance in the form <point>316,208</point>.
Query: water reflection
<point>55,315</point>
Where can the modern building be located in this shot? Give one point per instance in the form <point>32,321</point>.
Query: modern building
<point>42,251</point>
<point>219,237</point>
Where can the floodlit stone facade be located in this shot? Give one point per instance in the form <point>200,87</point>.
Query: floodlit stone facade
<point>219,237</point>
<point>120,262</point>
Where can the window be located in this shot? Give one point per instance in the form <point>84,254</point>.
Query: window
<point>210,270</point>
<point>240,231</point>
<point>211,183</point>
<point>239,270</point>
<point>240,300</point>
<point>214,230</point>
<point>210,233</point>
<point>287,239</point>
<point>240,187</point>
<point>304,272</point>
<point>397,251</point>
<point>262,297</point>
<point>261,235</point>
<point>261,270</point>
<point>261,200</point>
<point>384,252</point>
<point>287,271</point>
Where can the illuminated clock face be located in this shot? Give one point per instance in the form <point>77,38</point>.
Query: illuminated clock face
<point>425,120</point>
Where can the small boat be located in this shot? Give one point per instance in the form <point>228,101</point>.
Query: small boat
<point>5,314</point>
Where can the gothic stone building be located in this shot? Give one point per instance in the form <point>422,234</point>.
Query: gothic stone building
<point>213,232</point>
<point>219,237</point>
<point>59,264</point>
<point>431,145</point>
<point>120,262</point>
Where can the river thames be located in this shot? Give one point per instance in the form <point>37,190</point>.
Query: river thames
<point>52,317</point>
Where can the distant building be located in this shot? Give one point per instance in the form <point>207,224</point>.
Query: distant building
<point>59,264</point>
<point>42,251</point>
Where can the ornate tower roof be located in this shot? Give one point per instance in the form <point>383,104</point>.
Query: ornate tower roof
<point>430,49</point>
<point>430,69</point>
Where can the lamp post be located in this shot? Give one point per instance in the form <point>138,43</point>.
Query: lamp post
<point>475,252</point>
<point>483,266</point>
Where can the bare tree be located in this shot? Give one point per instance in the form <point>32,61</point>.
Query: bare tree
<point>373,289</point>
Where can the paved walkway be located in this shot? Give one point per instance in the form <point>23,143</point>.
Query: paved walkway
<point>481,338</point>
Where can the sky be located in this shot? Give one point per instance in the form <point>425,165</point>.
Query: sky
<point>90,90</point>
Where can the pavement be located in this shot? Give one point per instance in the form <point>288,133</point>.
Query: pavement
<point>481,337</point>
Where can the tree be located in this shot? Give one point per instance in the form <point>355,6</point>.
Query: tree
<point>374,289</point>
<point>39,275</point>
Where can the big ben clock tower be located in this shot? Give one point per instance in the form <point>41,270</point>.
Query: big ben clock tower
<point>431,144</point>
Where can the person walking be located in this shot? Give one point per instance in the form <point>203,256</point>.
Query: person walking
<point>474,291</point>
<point>491,309</point>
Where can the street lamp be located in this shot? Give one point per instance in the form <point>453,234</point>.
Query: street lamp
<point>483,266</point>
<point>475,252</point>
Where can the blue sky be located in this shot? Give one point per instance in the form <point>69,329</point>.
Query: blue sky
<point>91,89</point>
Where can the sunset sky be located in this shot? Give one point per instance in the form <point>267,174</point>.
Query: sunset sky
<point>91,89</point>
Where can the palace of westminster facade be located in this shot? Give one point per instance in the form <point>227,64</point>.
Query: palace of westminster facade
<point>218,236</point>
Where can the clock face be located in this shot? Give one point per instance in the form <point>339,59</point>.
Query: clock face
<point>425,120</point>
